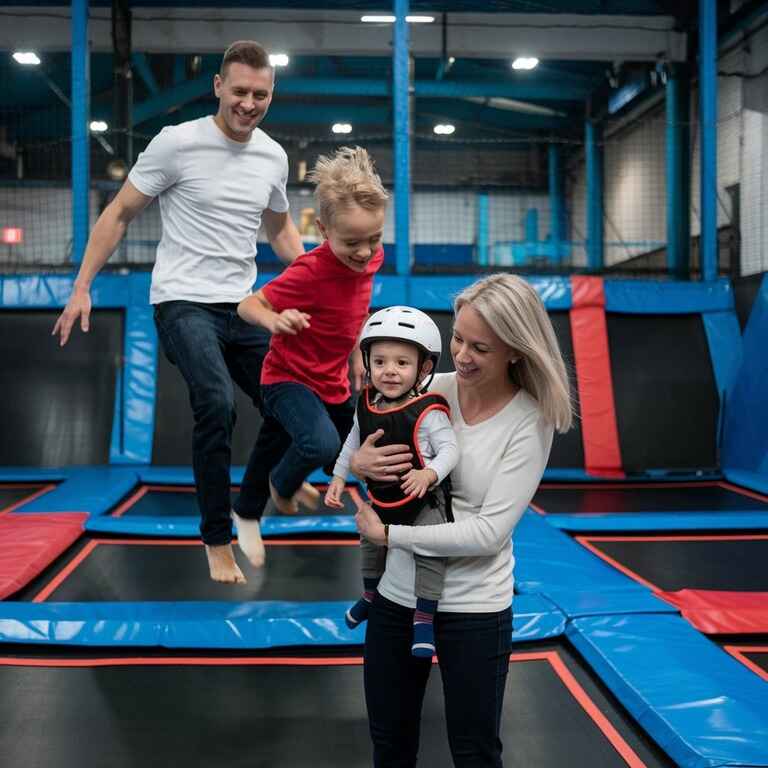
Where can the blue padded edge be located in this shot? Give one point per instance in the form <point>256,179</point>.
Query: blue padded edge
<point>547,559</point>
<point>137,414</point>
<point>218,624</point>
<point>189,527</point>
<point>667,298</point>
<point>437,293</point>
<point>724,339</point>
<point>752,480</point>
<point>698,703</point>
<point>87,489</point>
<point>745,443</point>
<point>659,521</point>
<point>180,475</point>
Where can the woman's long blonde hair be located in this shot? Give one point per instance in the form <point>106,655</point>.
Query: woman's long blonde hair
<point>516,314</point>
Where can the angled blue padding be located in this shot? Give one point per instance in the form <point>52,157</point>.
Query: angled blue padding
<point>436,293</point>
<point>183,475</point>
<point>651,475</point>
<point>189,527</point>
<point>745,438</point>
<point>546,558</point>
<point>701,705</point>
<point>752,480</point>
<point>50,291</point>
<point>659,521</point>
<point>390,290</point>
<point>32,474</point>
<point>133,429</point>
<point>724,339</point>
<point>87,489</point>
<point>217,624</point>
<point>647,297</point>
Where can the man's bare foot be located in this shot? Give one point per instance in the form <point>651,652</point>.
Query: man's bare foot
<point>221,561</point>
<point>308,496</point>
<point>284,506</point>
<point>249,539</point>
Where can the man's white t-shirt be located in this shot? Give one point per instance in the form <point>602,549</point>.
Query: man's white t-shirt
<point>212,193</point>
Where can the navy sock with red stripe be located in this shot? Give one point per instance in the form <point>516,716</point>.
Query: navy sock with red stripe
<point>423,629</point>
<point>358,613</point>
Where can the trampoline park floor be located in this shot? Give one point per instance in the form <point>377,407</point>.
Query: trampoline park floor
<point>213,709</point>
<point>672,498</point>
<point>15,495</point>
<point>751,651</point>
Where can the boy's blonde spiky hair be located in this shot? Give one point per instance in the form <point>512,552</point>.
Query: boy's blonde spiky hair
<point>348,176</point>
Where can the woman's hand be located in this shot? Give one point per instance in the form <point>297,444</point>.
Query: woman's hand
<point>384,463</point>
<point>370,526</point>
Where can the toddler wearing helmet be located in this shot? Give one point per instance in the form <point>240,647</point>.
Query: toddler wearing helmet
<point>401,347</point>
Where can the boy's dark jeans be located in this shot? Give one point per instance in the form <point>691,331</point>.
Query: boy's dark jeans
<point>213,348</point>
<point>300,433</point>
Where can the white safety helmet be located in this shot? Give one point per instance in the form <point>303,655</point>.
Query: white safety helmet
<point>402,324</point>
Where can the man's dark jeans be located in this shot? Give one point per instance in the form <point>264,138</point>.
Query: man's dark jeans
<point>214,349</point>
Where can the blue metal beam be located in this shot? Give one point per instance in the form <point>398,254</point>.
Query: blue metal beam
<point>556,205</point>
<point>595,254</point>
<point>81,90</point>
<point>708,123</point>
<point>402,128</point>
<point>678,173</point>
<point>296,86</point>
<point>483,223</point>
<point>141,65</point>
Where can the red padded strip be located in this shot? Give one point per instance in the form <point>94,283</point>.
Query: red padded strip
<point>600,435</point>
<point>720,612</point>
<point>31,542</point>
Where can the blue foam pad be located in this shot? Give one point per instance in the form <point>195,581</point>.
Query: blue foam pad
<point>87,489</point>
<point>217,624</point>
<point>32,474</point>
<point>753,480</point>
<point>667,298</point>
<point>189,527</point>
<point>698,703</point>
<point>182,475</point>
<point>555,474</point>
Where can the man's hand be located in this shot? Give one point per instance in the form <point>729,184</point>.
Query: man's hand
<point>78,306</point>
<point>290,322</point>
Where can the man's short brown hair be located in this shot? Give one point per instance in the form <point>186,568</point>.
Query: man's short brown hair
<point>245,52</point>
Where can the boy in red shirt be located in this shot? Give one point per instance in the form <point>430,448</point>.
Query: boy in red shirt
<point>315,311</point>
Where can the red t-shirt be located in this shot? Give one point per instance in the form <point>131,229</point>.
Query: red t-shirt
<point>337,298</point>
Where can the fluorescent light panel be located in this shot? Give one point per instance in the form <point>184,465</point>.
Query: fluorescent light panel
<point>387,19</point>
<point>28,58</point>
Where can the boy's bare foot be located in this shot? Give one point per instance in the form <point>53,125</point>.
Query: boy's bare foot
<point>308,496</point>
<point>222,564</point>
<point>249,539</point>
<point>284,506</point>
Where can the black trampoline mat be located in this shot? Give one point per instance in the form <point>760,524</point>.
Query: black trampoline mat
<point>652,497</point>
<point>567,450</point>
<point>292,712</point>
<point>753,653</point>
<point>13,495</point>
<point>138,570</point>
<point>181,501</point>
<point>58,402</point>
<point>669,563</point>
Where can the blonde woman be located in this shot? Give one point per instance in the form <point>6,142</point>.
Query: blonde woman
<point>508,394</point>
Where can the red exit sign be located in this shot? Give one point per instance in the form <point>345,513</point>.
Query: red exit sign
<point>13,235</point>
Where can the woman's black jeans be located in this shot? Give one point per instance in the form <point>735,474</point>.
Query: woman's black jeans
<point>473,653</point>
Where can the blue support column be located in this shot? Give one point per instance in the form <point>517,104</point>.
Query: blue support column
<point>595,253</point>
<point>483,228</point>
<point>708,123</point>
<point>400,97</point>
<point>556,206</point>
<point>81,91</point>
<point>678,173</point>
